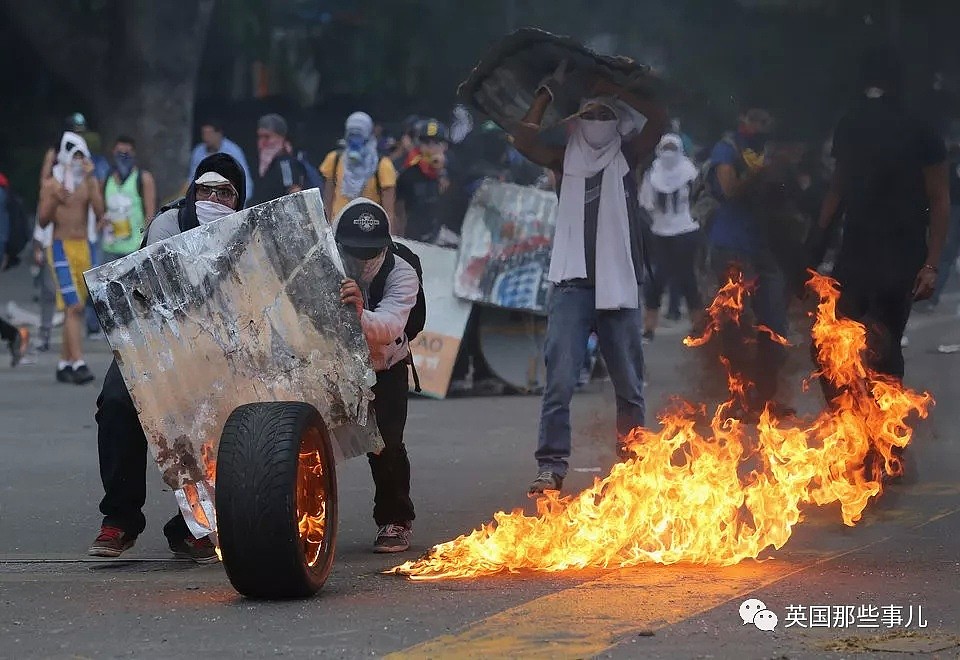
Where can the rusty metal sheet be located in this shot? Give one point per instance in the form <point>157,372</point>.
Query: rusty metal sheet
<point>503,83</point>
<point>242,310</point>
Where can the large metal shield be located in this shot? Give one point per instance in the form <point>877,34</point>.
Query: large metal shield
<point>243,310</point>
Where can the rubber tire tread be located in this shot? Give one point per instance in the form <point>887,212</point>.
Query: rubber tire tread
<point>256,501</point>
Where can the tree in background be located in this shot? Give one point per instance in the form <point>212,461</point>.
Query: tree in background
<point>134,63</point>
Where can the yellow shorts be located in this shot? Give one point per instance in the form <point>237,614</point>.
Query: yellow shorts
<point>69,259</point>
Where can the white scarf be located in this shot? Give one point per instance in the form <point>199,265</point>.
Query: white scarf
<point>70,144</point>
<point>595,146</point>
<point>359,165</point>
<point>672,169</point>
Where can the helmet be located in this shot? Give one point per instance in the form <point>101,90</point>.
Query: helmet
<point>432,129</point>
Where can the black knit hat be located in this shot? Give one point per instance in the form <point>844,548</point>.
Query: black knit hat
<point>363,224</point>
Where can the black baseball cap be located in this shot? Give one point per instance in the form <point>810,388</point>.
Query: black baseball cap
<point>363,224</point>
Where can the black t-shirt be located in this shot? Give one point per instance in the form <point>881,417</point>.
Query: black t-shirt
<point>881,151</point>
<point>420,195</point>
<point>284,173</point>
<point>955,179</point>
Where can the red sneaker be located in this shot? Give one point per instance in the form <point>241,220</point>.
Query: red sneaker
<point>201,551</point>
<point>111,542</point>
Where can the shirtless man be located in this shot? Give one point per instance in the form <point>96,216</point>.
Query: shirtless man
<point>66,200</point>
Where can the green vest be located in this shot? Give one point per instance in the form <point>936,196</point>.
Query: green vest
<point>125,216</point>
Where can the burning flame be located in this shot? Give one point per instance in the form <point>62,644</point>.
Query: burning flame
<point>717,498</point>
<point>311,505</point>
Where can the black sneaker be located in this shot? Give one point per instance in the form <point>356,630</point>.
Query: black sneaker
<point>647,336</point>
<point>82,375</point>
<point>201,551</point>
<point>65,375</point>
<point>394,537</point>
<point>111,542</point>
<point>546,480</point>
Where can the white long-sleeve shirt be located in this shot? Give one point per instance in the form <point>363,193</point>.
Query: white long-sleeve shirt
<point>383,326</point>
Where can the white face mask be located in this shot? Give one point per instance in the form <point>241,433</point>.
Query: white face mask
<point>670,158</point>
<point>598,133</point>
<point>208,211</point>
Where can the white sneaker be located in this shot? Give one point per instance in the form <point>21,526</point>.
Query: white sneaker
<point>904,341</point>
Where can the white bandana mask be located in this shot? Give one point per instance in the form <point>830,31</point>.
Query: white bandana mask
<point>598,133</point>
<point>208,211</point>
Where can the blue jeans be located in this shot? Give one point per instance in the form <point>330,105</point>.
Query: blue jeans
<point>572,316</point>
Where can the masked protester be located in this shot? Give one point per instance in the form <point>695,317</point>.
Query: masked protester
<point>212,141</point>
<point>891,179</point>
<point>358,170</point>
<point>278,172</point>
<point>421,183</point>
<point>597,264</point>
<point>383,289</point>
<point>217,190</point>
<point>665,194</point>
<point>739,242</point>
<point>130,194</point>
<point>69,200</point>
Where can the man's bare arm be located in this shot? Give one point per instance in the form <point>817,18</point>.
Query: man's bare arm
<point>149,196</point>
<point>49,200</point>
<point>937,183</point>
<point>46,170</point>
<point>96,197</point>
<point>728,179</point>
<point>388,200</point>
<point>328,188</point>
<point>526,135</point>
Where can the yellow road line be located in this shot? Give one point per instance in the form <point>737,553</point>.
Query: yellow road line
<point>584,620</point>
<point>587,619</point>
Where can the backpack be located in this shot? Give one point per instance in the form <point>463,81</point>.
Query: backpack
<point>376,176</point>
<point>311,173</point>
<point>704,201</point>
<point>418,315</point>
<point>20,230</point>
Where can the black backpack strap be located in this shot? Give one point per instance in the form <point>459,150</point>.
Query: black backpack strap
<point>379,283</point>
<point>413,370</point>
<point>336,166</point>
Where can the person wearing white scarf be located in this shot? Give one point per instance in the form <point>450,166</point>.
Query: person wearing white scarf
<point>594,147</point>
<point>665,194</point>
<point>597,263</point>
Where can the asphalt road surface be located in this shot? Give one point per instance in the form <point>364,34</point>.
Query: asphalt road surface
<point>472,457</point>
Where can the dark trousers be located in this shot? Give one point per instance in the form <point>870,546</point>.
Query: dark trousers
<point>123,461</point>
<point>769,302</point>
<point>884,308</point>
<point>674,268</point>
<point>391,467</point>
<point>470,352</point>
<point>8,332</point>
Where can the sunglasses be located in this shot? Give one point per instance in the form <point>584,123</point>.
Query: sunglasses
<point>224,194</point>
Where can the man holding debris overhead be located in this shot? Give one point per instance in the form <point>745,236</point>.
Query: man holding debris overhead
<point>598,262</point>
